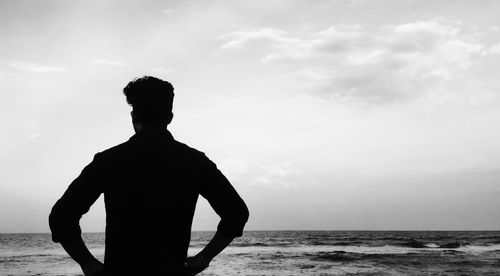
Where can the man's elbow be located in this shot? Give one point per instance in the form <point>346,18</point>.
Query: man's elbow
<point>242,217</point>
<point>55,222</point>
<point>245,214</point>
<point>232,224</point>
<point>240,213</point>
<point>62,224</point>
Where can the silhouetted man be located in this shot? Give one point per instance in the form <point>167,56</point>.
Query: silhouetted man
<point>151,184</point>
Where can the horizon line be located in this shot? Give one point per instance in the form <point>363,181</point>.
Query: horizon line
<point>309,230</point>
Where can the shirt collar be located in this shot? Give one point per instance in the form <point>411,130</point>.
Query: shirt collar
<point>152,133</point>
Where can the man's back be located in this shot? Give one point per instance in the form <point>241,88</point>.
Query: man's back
<point>151,184</point>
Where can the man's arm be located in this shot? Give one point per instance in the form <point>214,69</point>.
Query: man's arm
<point>215,246</point>
<point>229,206</point>
<point>200,261</point>
<point>66,213</point>
<point>81,254</point>
<point>225,201</point>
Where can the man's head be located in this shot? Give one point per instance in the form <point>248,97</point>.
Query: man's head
<point>151,100</point>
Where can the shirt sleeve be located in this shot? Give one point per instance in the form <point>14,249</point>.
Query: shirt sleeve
<point>81,194</point>
<point>224,200</point>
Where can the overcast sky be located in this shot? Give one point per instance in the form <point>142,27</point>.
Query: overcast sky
<point>323,114</point>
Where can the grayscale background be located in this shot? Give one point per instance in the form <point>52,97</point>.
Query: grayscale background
<point>324,115</point>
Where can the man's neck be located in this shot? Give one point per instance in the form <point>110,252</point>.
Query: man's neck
<point>142,128</point>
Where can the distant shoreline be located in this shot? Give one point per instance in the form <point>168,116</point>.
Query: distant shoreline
<point>201,231</point>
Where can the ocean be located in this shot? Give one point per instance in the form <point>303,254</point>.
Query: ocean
<point>293,253</point>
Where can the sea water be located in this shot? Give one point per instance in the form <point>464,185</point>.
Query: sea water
<point>293,253</point>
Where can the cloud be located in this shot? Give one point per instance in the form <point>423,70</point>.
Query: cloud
<point>283,170</point>
<point>238,39</point>
<point>167,11</point>
<point>280,175</point>
<point>108,62</point>
<point>354,3</point>
<point>235,167</point>
<point>425,28</point>
<point>261,180</point>
<point>162,71</point>
<point>393,63</point>
<point>493,50</point>
<point>32,67</point>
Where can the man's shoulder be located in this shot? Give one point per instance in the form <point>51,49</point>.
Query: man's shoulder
<point>177,146</point>
<point>187,150</point>
<point>114,150</point>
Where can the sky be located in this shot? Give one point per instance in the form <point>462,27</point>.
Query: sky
<point>324,115</point>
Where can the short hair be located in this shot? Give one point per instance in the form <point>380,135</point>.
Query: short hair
<point>151,100</point>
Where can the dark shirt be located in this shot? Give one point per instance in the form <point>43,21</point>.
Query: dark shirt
<point>151,184</point>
